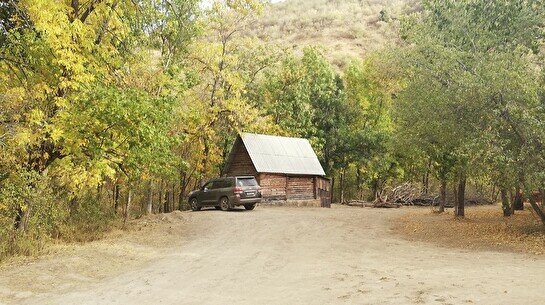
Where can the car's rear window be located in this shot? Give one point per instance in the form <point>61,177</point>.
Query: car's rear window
<point>246,182</point>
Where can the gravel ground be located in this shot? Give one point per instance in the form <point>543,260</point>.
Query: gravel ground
<point>272,255</point>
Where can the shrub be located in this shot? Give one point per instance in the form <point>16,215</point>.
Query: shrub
<point>29,213</point>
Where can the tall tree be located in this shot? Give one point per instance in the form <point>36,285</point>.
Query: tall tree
<point>470,67</point>
<point>226,63</point>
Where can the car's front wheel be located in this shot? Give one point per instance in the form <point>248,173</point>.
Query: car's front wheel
<point>249,207</point>
<point>194,203</point>
<point>224,204</point>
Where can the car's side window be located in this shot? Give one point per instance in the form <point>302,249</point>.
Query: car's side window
<point>224,183</point>
<point>209,185</point>
<point>215,185</point>
<point>218,184</point>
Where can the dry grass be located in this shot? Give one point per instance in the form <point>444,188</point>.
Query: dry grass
<point>484,228</point>
<point>346,29</point>
<point>61,265</point>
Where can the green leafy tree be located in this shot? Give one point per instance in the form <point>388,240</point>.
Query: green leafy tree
<point>81,103</point>
<point>226,64</point>
<point>370,85</point>
<point>470,78</point>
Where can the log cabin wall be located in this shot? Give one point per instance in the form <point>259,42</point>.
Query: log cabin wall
<point>300,188</point>
<point>273,186</point>
<point>323,184</point>
<point>323,191</point>
<point>240,164</point>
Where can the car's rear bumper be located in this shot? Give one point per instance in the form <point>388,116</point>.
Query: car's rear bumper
<point>243,201</point>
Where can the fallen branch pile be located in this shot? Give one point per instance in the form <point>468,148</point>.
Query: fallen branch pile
<point>411,194</point>
<point>406,194</point>
<point>365,204</point>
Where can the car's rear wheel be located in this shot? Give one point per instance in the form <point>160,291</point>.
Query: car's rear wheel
<point>249,207</point>
<point>224,204</point>
<point>194,203</point>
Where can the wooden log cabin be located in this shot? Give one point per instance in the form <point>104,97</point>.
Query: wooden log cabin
<point>287,169</point>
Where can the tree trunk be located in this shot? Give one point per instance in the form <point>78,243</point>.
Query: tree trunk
<point>183,185</point>
<point>22,218</point>
<point>127,207</point>
<point>73,207</point>
<point>342,185</point>
<point>375,189</point>
<point>116,197</point>
<point>494,193</point>
<point>99,192</point>
<point>172,196</point>
<point>161,206</point>
<point>542,197</point>
<point>539,211</point>
<point>460,198</point>
<point>18,217</point>
<point>166,201</point>
<point>205,160</point>
<point>358,183</point>
<point>512,197</point>
<point>426,178</point>
<point>518,203</point>
<point>506,207</point>
<point>443,196</point>
<point>196,184</point>
<point>149,207</point>
<point>224,155</point>
<point>455,194</point>
<point>333,189</point>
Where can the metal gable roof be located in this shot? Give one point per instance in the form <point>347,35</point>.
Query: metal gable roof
<point>273,154</point>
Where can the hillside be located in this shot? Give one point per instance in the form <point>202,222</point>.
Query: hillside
<point>345,28</point>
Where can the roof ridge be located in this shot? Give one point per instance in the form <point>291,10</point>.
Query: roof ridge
<point>270,135</point>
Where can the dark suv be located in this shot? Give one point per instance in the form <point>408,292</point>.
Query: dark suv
<point>226,193</point>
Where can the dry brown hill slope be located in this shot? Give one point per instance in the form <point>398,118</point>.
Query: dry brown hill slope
<point>345,28</point>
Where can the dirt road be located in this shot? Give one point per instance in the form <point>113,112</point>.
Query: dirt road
<point>275,256</point>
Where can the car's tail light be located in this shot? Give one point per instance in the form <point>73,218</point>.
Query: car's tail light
<point>238,190</point>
